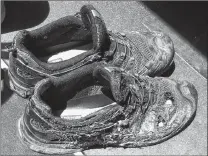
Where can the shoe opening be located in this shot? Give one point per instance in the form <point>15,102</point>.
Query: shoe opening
<point>64,52</point>
<point>61,52</point>
<point>71,104</point>
<point>81,107</point>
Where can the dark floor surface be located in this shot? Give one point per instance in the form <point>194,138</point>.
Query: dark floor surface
<point>190,20</point>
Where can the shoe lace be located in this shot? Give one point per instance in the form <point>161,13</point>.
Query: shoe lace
<point>123,59</point>
<point>141,95</point>
<point>78,15</point>
<point>126,59</point>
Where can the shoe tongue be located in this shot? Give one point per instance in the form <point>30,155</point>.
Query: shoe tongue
<point>93,21</point>
<point>111,77</point>
<point>103,75</point>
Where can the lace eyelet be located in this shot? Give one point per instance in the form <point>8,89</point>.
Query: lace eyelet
<point>161,121</point>
<point>168,96</point>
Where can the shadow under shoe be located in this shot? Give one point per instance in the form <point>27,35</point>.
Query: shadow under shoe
<point>23,15</point>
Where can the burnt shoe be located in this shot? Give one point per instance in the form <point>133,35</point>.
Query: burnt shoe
<point>142,52</point>
<point>142,111</point>
<point>147,53</point>
<point>31,51</point>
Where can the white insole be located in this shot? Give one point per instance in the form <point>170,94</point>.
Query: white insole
<point>84,106</point>
<point>76,113</point>
<point>65,54</point>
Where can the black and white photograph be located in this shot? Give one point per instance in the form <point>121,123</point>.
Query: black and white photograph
<point>103,78</point>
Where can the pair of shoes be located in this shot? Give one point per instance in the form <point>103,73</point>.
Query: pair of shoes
<point>133,109</point>
<point>147,53</point>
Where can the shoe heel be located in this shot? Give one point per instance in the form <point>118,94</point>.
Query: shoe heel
<point>39,147</point>
<point>18,88</point>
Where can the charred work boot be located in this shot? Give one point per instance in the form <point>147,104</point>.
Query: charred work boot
<point>142,111</point>
<point>146,53</point>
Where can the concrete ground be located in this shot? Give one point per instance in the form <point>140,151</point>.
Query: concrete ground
<point>118,16</point>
